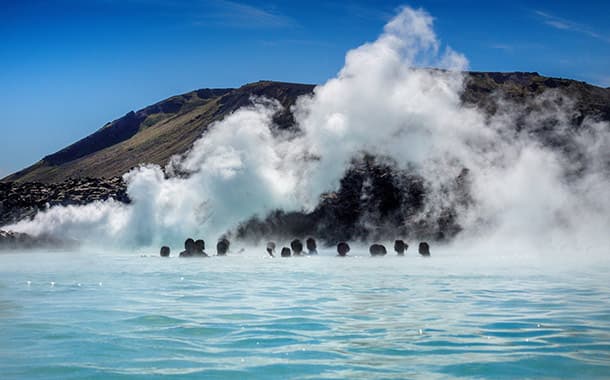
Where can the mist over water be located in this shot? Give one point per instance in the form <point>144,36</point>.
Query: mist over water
<point>526,197</point>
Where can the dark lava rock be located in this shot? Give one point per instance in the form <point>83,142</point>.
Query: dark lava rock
<point>21,200</point>
<point>375,201</point>
<point>10,240</point>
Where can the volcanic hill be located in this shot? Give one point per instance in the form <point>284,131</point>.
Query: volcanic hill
<point>157,132</point>
<point>375,200</point>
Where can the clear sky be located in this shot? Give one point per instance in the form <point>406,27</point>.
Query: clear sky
<point>69,66</point>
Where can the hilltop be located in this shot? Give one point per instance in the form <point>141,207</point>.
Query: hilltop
<point>157,132</point>
<point>154,133</point>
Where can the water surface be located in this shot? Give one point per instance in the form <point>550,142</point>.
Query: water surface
<point>73,315</point>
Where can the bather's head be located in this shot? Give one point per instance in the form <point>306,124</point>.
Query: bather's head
<point>285,252</point>
<point>400,247</point>
<point>164,251</point>
<point>200,245</point>
<point>424,249</point>
<point>189,245</point>
<point>311,244</point>
<point>297,246</point>
<point>377,250</point>
<point>271,247</point>
<point>222,247</point>
<point>342,248</point>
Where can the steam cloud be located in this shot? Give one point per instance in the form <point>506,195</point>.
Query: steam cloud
<point>381,103</point>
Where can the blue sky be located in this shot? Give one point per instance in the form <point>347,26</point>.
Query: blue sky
<point>69,66</point>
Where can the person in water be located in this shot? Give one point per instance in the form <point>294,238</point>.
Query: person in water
<point>200,248</point>
<point>424,249</point>
<point>271,248</point>
<point>377,250</point>
<point>297,247</point>
<point>285,252</point>
<point>164,251</point>
<point>222,247</point>
<point>400,247</point>
<point>342,249</point>
<point>312,247</point>
<point>189,248</point>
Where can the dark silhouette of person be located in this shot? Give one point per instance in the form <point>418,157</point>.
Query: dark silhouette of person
<point>297,247</point>
<point>285,252</point>
<point>400,247</point>
<point>200,248</point>
<point>164,251</point>
<point>222,247</point>
<point>342,249</point>
<point>377,250</point>
<point>424,249</point>
<point>271,248</point>
<point>189,248</point>
<point>312,247</point>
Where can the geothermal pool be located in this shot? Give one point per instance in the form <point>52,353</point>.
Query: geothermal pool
<point>67,315</point>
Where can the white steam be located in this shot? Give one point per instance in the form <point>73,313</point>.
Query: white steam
<point>380,103</point>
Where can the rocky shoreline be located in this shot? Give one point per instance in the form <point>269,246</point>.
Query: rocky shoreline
<point>375,200</point>
<point>22,200</point>
<point>10,240</point>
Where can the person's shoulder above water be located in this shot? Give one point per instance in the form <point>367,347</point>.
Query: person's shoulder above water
<point>189,248</point>
<point>199,249</point>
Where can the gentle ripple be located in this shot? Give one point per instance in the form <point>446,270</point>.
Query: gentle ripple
<point>73,316</point>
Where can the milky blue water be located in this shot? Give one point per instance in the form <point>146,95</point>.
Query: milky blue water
<point>92,315</point>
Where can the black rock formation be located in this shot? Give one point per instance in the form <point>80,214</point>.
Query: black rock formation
<point>23,200</point>
<point>375,201</point>
<point>19,241</point>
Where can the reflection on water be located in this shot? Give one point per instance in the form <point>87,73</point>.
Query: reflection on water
<point>249,316</point>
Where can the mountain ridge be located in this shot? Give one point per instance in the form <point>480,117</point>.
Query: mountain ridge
<point>155,133</point>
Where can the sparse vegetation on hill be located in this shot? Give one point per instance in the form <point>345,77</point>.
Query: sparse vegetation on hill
<point>157,132</point>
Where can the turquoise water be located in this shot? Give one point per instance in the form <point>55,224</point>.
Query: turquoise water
<point>91,315</point>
